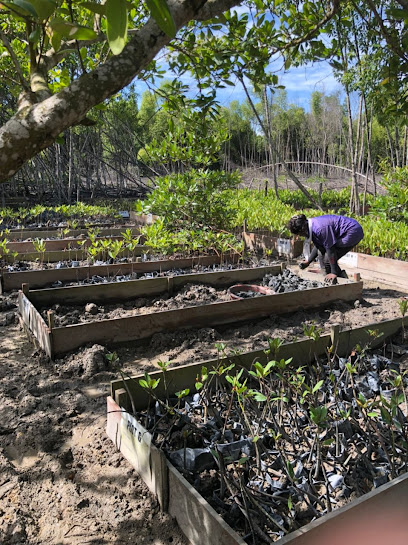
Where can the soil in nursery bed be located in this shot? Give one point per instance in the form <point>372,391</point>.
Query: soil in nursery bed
<point>187,346</point>
<point>61,480</point>
<point>94,279</point>
<point>190,295</point>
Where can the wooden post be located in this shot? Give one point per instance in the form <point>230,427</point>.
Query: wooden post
<point>357,277</point>
<point>25,288</point>
<point>283,267</point>
<point>51,319</point>
<point>122,399</point>
<point>334,336</point>
<point>170,285</point>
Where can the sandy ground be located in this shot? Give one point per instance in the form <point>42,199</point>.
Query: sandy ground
<point>61,479</point>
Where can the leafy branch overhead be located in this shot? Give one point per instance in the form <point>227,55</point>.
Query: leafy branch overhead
<point>61,59</point>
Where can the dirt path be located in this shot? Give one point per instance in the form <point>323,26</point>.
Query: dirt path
<point>61,479</point>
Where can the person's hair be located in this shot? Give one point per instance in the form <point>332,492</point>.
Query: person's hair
<point>297,224</point>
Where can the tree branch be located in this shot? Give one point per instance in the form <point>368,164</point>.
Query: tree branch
<point>327,17</point>
<point>394,46</point>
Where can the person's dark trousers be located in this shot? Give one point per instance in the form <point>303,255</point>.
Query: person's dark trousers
<point>339,252</point>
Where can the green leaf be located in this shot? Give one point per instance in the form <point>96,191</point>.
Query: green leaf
<point>56,40</point>
<point>95,8</point>
<point>84,33</point>
<point>72,30</point>
<point>161,14</point>
<point>21,7</point>
<point>35,35</point>
<point>116,15</point>
<point>317,386</point>
<point>44,8</point>
<point>258,396</point>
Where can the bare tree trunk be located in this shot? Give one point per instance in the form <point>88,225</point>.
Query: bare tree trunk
<point>70,159</point>
<point>390,143</point>
<point>397,147</point>
<point>354,198</point>
<point>280,159</point>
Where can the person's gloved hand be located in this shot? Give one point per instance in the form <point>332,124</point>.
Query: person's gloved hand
<point>331,278</point>
<point>303,265</point>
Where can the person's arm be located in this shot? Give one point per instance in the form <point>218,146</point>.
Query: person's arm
<point>312,257</point>
<point>331,256</point>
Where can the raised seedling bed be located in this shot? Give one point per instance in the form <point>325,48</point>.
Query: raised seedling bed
<point>57,340</point>
<point>281,450</point>
<point>391,272</point>
<point>46,233</point>
<point>72,252</point>
<point>28,247</point>
<point>46,277</point>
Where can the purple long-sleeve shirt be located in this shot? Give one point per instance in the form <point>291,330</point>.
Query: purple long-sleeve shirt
<point>341,231</point>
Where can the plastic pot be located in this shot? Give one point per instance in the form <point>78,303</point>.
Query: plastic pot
<point>238,289</point>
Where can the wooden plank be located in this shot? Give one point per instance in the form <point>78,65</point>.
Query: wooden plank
<point>58,244</point>
<point>198,520</point>
<point>99,293</point>
<point>143,326</point>
<point>227,278</point>
<point>301,352</point>
<point>46,232</point>
<point>393,267</point>
<point>134,442</point>
<point>374,519</point>
<point>142,219</point>
<point>42,278</point>
<point>23,234</point>
<point>378,271</point>
<point>266,241</point>
<point>184,376</point>
<point>63,255</point>
<point>35,323</point>
<point>124,291</point>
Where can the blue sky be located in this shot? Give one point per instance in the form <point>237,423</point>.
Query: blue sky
<point>300,82</point>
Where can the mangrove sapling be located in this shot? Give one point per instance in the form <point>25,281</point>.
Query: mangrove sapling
<point>131,246</point>
<point>149,384</point>
<point>403,306</point>
<point>81,245</point>
<point>114,249</point>
<point>274,345</point>
<point>164,365</point>
<point>113,359</point>
<point>318,415</point>
<point>39,246</point>
<point>93,252</point>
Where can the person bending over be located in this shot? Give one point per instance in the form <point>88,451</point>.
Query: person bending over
<point>332,236</point>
